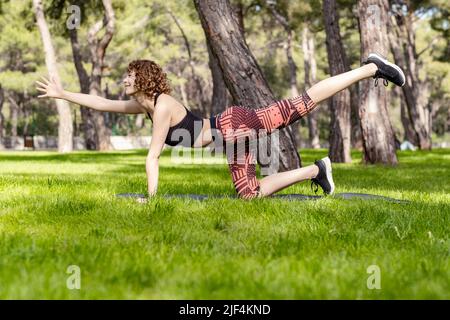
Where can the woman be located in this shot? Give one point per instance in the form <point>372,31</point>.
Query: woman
<point>148,85</point>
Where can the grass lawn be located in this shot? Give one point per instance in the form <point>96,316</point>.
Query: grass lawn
<point>61,210</point>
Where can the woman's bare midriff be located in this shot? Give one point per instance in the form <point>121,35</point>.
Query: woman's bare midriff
<point>205,137</point>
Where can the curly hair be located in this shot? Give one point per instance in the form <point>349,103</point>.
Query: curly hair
<point>150,77</point>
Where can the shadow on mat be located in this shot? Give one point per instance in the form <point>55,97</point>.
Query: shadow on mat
<point>347,196</point>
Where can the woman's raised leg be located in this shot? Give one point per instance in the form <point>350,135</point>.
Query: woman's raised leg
<point>330,86</point>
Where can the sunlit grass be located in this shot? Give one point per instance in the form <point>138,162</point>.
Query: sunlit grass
<point>61,210</point>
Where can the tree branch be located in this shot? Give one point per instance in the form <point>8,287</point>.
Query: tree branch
<point>278,16</point>
<point>183,34</point>
<point>110,27</point>
<point>429,46</point>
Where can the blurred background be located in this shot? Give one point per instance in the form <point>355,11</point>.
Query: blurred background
<point>287,38</point>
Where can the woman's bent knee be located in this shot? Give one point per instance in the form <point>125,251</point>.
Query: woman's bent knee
<point>249,194</point>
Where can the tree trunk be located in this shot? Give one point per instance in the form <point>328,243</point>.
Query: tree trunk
<point>378,136</point>
<point>283,21</point>
<point>88,125</point>
<point>2,118</point>
<point>197,81</point>
<point>220,96</point>
<point>416,92</point>
<point>238,9</point>
<point>409,133</point>
<point>356,134</point>
<point>65,129</point>
<point>97,48</point>
<point>310,69</point>
<point>14,110</point>
<point>242,74</point>
<point>447,123</point>
<point>408,130</point>
<point>340,102</point>
<point>26,114</point>
<point>183,93</point>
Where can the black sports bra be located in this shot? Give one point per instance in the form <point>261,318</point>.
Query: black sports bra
<point>188,123</point>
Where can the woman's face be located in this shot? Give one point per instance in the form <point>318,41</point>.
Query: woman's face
<point>128,83</point>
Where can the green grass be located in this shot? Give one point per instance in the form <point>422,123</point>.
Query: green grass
<point>60,210</point>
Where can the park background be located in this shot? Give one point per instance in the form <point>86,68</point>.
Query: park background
<point>58,206</point>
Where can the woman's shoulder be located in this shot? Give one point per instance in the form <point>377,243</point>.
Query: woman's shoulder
<point>164,98</point>
<point>168,102</point>
<point>164,104</point>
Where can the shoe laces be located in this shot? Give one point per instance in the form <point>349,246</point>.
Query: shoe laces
<point>385,82</point>
<point>314,182</point>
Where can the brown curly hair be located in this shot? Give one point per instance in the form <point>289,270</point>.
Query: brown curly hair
<point>150,77</point>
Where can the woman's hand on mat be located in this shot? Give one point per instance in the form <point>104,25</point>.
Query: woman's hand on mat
<point>51,88</point>
<point>142,200</point>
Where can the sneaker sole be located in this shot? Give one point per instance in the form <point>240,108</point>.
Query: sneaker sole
<point>328,171</point>
<point>390,64</point>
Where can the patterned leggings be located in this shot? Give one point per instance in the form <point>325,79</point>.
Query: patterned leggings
<point>238,122</point>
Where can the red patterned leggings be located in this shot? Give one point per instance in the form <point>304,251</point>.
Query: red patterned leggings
<point>237,122</point>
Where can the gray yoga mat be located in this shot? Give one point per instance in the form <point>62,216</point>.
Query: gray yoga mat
<point>347,196</point>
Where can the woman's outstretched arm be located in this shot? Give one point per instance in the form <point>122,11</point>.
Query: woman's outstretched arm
<point>53,90</point>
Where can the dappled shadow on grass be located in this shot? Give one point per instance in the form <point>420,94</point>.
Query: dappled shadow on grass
<point>12,185</point>
<point>422,172</point>
<point>184,178</point>
<point>404,177</point>
<point>308,155</point>
<point>84,156</point>
<point>93,209</point>
<point>182,169</point>
<point>93,156</point>
<point>174,180</point>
